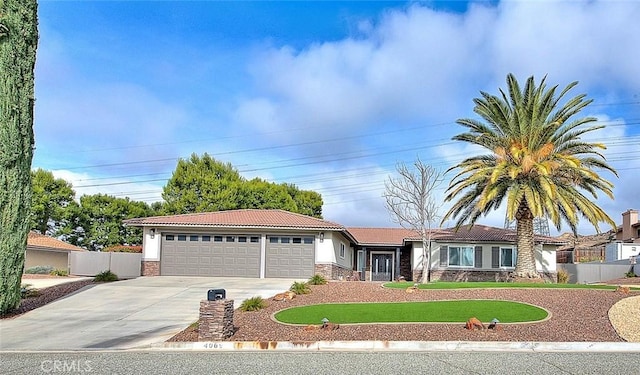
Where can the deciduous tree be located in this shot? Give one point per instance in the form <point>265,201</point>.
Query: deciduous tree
<point>410,198</point>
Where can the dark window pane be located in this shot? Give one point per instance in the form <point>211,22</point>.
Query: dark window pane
<point>217,238</point>
<point>285,239</point>
<point>273,239</point>
<point>308,240</point>
<point>169,237</point>
<point>231,239</point>
<point>182,237</point>
<point>206,238</point>
<point>193,238</point>
<point>255,239</point>
<point>297,240</point>
<point>242,239</point>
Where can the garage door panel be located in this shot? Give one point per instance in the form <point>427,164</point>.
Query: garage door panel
<point>217,257</point>
<point>289,257</point>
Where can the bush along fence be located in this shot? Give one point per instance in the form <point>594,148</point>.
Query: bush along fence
<point>90,263</point>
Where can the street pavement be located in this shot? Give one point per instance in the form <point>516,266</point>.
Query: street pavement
<point>319,363</point>
<point>125,314</point>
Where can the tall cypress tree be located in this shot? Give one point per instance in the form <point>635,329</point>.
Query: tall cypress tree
<point>18,43</point>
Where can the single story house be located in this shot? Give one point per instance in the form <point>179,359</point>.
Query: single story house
<point>44,250</point>
<point>281,244</point>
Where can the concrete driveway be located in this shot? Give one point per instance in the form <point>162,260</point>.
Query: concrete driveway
<point>125,314</point>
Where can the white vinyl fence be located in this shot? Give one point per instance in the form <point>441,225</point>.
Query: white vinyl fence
<point>587,273</point>
<point>91,263</point>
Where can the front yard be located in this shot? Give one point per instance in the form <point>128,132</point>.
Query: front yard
<point>575,315</point>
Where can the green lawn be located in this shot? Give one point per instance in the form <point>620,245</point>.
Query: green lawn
<point>416,312</point>
<point>491,284</point>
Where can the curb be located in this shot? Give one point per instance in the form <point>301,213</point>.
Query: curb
<point>399,346</point>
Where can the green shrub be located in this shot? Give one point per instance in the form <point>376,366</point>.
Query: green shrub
<point>630,274</point>
<point>106,276</point>
<point>563,276</point>
<point>39,270</point>
<point>300,287</point>
<point>27,291</point>
<point>58,272</point>
<point>253,304</point>
<point>317,279</point>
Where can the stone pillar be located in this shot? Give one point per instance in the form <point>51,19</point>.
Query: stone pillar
<point>150,268</point>
<point>216,320</point>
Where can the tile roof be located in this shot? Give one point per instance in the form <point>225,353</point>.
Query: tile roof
<point>380,236</point>
<point>249,218</point>
<point>37,240</point>
<point>477,233</point>
<point>256,218</point>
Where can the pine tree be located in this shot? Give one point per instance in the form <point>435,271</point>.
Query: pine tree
<point>18,43</point>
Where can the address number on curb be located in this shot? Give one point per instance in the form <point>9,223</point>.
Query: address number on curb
<point>212,345</point>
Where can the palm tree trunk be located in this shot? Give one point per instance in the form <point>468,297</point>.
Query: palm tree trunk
<point>526,262</point>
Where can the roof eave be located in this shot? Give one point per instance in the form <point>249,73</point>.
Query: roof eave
<point>239,226</point>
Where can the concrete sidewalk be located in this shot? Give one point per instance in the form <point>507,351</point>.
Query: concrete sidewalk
<point>125,314</point>
<point>51,281</point>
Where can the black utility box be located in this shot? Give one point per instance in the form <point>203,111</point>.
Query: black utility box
<point>216,294</point>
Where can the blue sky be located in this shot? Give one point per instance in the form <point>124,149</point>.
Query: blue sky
<point>326,95</point>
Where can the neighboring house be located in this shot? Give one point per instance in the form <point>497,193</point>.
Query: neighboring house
<point>629,231</point>
<point>581,249</point>
<point>277,243</point>
<point>627,242</point>
<point>47,251</point>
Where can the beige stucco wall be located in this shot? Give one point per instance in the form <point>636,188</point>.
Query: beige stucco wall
<point>56,259</point>
<point>328,251</point>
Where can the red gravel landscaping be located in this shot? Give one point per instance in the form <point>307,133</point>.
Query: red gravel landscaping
<point>575,315</point>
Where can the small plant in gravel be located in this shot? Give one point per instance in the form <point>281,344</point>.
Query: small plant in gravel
<point>58,272</point>
<point>253,304</point>
<point>39,270</point>
<point>28,291</point>
<point>563,276</point>
<point>630,274</point>
<point>317,279</point>
<point>300,287</point>
<point>105,276</point>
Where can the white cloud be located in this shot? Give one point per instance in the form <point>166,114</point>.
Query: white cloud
<point>423,66</point>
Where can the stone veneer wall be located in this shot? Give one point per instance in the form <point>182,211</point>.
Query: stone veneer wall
<point>334,271</point>
<point>216,320</point>
<point>472,275</point>
<point>405,265</point>
<point>150,268</point>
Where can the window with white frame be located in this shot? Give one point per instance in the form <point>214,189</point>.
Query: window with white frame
<point>342,250</point>
<point>461,256</point>
<point>508,257</point>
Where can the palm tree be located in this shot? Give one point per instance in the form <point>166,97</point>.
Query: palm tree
<point>537,162</point>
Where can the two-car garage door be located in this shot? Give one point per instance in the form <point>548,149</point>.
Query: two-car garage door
<point>236,255</point>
